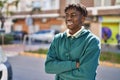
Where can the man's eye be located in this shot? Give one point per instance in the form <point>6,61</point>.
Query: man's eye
<point>73,15</point>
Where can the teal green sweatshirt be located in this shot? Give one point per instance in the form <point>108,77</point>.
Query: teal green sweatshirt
<point>65,51</point>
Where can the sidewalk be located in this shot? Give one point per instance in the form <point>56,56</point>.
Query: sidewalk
<point>110,48</point>
<point>16,49</point>
<point>12,50</point>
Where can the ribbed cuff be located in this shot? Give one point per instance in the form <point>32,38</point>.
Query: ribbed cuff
<point>73,64</point>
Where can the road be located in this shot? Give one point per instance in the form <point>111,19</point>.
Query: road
<point>108,73</point>
<point>31,68</point>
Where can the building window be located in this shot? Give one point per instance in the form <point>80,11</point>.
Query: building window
<point>36,5</point>
<point>107,2</point>
<point>45,5</point>
<point>72,2</point>
<point>53,3</point>
<point>50,4</point>
<point>98,3</point>
<point>117,2</point>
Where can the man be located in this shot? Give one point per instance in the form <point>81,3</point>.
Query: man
<point>74,54</point>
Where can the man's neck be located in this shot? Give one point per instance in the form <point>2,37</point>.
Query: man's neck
<point>74,31</point>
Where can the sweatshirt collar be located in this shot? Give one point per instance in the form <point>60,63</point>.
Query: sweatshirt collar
<point>76,35</point>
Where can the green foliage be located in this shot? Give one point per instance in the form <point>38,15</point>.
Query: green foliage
<point>40,51</point>
<point>2,3</point>
<point>7,39</point>
<point>111,57</point>
<point>16,3</point>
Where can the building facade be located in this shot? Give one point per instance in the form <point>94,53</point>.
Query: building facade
<point>49,14</point>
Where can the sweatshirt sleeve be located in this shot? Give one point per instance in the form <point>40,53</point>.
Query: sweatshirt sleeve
<point>55,66</point>
<point>88,63</point>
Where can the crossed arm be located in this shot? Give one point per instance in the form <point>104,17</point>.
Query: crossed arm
<point>87,64</point>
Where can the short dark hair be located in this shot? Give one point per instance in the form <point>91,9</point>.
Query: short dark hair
<point>79,7</point>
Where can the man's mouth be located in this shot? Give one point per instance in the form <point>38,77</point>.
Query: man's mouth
<point>69,23</point>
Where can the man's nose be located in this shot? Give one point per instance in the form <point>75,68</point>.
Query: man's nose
<point>69,17</point>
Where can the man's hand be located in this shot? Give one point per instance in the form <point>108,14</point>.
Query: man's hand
<point>77,64</point>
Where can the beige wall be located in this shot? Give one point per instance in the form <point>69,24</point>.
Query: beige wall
<point>95,28</point>
<point>87,3</point>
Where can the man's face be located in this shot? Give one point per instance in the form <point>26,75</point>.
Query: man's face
<point>73,19</point>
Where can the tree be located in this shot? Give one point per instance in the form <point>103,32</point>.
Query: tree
<point>2,4</point>
<point>5,4</point>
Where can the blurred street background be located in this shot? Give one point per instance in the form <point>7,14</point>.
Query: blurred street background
<point>29,26</point>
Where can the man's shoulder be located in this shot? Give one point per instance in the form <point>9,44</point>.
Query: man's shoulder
<point>60,35</point>
<point>90,35</point>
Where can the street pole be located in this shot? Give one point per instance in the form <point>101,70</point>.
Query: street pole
<point>2,38</point>
<point>2,35</point>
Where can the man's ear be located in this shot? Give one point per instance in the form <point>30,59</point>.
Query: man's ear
<point>83,19</point>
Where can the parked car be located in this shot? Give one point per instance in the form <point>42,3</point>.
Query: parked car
<point>18,35</point>
<point>5,67</point>
<point>118,40</point>
<point>43,35</point>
